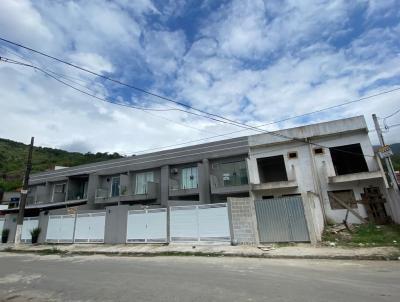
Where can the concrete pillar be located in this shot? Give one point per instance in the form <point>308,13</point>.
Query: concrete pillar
<point>116,224</point>
<point>92,187</point>
<point>204,181</point>
<point>164,185</point>
<point>43,223</point>
<point>310,219</point>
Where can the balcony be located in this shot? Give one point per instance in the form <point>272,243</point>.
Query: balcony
<point>178,189</point>
<point>103,196</point>
<point>228,184</point>
<point>354,177</point>
<point>275,185</point>
<point>77,188</point>
<point>273,176</point>
<point>150,192</point>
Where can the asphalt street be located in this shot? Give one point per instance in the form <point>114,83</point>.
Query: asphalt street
<point>101,278</point>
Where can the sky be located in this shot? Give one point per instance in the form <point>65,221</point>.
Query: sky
<point>250,61</point>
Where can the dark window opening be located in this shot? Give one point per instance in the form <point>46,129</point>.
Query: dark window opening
<point>347,196</point>
<point>318,151</point>
<point>291,195</point>
<point>268,197</point>
<point>348,159</point>
<point>272,169</point>
<point>292,155</point>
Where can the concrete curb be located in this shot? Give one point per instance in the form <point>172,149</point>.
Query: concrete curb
<point>52,251</point>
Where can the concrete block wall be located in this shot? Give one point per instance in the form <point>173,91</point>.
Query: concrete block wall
<point>243,220</point>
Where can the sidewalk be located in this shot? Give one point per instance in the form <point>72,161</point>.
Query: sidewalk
<point>300,251</point>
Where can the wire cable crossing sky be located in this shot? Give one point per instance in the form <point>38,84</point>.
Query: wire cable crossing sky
<point>210,68</point>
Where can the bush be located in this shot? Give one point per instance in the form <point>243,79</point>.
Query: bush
<point>35,234</point>
<point>4,235</point>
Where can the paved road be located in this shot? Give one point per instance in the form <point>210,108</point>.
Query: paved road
<point>101,278</point>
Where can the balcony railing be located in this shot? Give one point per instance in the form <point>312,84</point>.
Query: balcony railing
<point>102,193</point>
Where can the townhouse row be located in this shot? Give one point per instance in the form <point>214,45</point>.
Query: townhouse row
<point>320,164</point>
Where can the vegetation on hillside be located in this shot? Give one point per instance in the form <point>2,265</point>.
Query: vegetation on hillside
<point>13,158</point>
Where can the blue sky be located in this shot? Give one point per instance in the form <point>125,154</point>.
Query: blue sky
<point>251,61</point>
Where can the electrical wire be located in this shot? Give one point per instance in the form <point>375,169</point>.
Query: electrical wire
<point>7,60</point>
<point>230,121</point>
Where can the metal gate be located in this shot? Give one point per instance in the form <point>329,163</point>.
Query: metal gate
<point>281,220</point>
<point>28,225</point>
<point>90,227</point>
<point>60,228</point>
<point>207,222</point>
<point>148,225</point>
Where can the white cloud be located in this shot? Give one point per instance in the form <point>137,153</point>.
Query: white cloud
<point>252,61</point>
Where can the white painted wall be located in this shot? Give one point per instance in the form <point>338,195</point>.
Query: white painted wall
<point>260,146</point>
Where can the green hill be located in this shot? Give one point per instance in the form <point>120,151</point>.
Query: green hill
<point>13,158</point>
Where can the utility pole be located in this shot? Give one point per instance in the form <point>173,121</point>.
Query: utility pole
<point>24,194</point>
<point>388,162</point>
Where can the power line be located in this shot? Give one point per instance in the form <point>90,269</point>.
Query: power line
<point>146,110</point>
<point>247,127</point>
<point>124,84</point>
<point>390,115</point>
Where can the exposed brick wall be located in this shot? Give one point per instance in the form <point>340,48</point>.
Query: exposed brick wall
<point>243,220</point>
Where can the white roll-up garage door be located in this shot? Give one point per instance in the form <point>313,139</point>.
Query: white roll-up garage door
<point>28,225</point>
<point>90,227</point>
<point>207,222</point>
<point>60,228</point>
<point>149,225</point>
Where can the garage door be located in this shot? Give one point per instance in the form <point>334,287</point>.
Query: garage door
<point>60,228</point>
<point>147,226</point>
<point>90,227</point>
<point>208,222</point>
<point>28,225</point>
<point>281,220</point>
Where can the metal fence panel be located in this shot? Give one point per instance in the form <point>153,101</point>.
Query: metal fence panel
<point>157,225</point>
<point>208,222</point>
<point>60,228</point>
<point>28,225</point>
<point>136,227</point>
<point>281,220</point>
<point>214,223</point>
<point>149,225</point>
<point>90,227</point>
<point>183,223</point>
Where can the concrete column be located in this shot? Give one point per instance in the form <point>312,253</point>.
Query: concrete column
<point>164,185</point>
<point>204,181</point>
<point>92,187</point>
<point>310,219</point>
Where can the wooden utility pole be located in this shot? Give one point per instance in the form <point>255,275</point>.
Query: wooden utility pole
<point>24,194</point>
<point>388,161</point>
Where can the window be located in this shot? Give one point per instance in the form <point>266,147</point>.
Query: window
<point>348,159</point>
<point>272,169</point>
<point>292,155</point>
<point>318,151</point>
<point>59,188</point>
<point>347,196</point>
<point>141,182</point>
<point>115,186</point>
<point>232,174</point>
<point>189,178</point>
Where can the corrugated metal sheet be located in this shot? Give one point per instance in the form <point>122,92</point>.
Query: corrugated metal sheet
<point>281,220</point>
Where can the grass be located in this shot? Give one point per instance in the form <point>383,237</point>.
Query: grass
<point>366,235</point>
